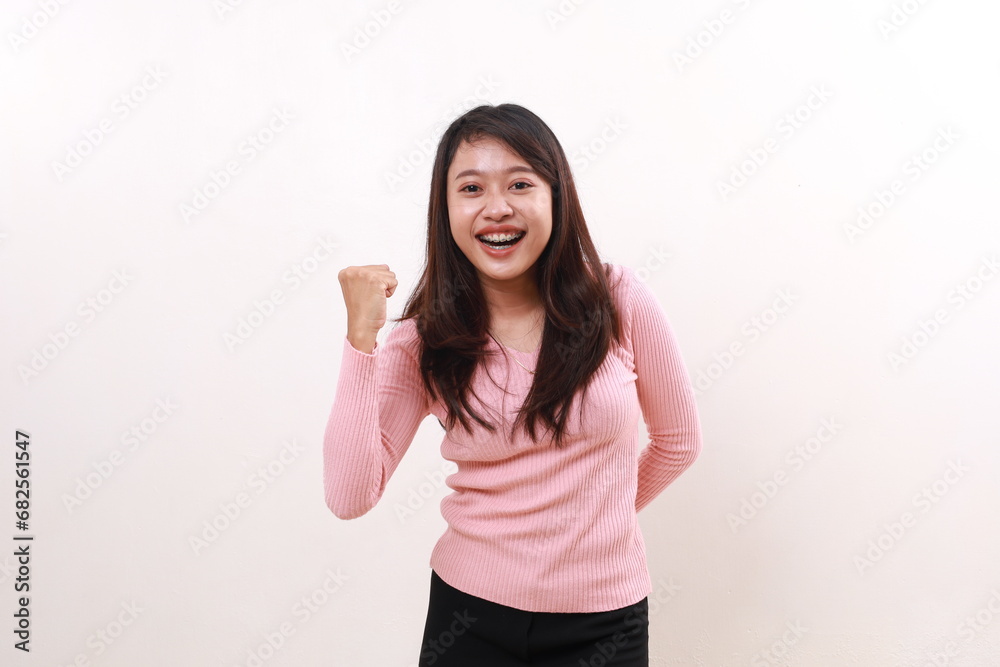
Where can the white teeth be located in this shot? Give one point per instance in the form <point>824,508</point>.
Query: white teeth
<point>499,238</point>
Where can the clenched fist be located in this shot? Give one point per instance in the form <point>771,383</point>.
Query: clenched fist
<point>366,289</point>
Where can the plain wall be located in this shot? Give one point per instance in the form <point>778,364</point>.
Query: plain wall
<point>837,308</point>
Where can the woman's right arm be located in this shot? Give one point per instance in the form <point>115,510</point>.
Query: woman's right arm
<point>380,399</point>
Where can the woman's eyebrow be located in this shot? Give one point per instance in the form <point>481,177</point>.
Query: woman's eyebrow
<point>509,170</point>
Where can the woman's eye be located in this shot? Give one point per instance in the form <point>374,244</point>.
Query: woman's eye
<point>475,188</point>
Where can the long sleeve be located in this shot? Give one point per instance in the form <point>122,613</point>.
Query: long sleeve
<point>665,396</point>
<point>379,404</point>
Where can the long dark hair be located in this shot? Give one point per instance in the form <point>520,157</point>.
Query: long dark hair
<point>580,316</point>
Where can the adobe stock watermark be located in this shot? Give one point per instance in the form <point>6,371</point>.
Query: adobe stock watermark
<point>655,260</point>
<point>32,24</point>
<point>570,347</point>
<point>777,653</point>
<point>131,440</point>
<point>795,460</point>
<point>305,608</point>
<point>786,127</point>
<point>445,301</point>
<point>928,328</point>
<point>88,310</point>
<point>583,156</point>
<point>99,641</point>
<point>561,12</point>
<point>432,649</point>
<point>968,629</point>
<point>120,110</point>
<point>752,330</point>
<point>663,592</point>
<point>220,179</point>
<point>224,7</point>
<point>418,497</point>
<point>368,31</point>
<point>231,510</point>
<point>605,651</point>
<point>712,29</point>
<point>7,568</point>
<point>425,147</point>
<point>899,16</point>
<point>295,276</point>
<point>923,501</point>
<point>914,167</point>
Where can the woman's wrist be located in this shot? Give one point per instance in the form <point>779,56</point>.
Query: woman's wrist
<point>362,341</point>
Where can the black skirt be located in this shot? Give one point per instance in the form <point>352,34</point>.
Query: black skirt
<point>463,630</point>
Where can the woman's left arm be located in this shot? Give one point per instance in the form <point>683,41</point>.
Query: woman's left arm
<point>665,396</point>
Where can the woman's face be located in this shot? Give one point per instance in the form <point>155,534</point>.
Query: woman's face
<point>492,189</point>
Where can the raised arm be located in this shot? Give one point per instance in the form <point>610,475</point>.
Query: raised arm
<point>665,396</point>
<point>380,399</point>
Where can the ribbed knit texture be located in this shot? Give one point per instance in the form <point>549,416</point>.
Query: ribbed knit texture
<point>530,526</point>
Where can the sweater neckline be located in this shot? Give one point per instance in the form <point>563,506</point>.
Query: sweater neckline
<point>520,352</point>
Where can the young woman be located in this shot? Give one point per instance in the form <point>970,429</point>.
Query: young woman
<point>536,359</point>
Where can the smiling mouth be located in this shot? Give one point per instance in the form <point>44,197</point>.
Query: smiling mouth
<point>502,241</point>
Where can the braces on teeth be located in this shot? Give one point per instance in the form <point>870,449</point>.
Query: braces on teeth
<point>494,239</point>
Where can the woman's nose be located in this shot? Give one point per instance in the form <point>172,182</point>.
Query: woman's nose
<point>497,206</point>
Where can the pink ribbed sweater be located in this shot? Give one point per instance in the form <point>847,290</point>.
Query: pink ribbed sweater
<point>529,525</point>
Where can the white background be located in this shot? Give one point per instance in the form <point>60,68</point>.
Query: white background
<point>875,550</point>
